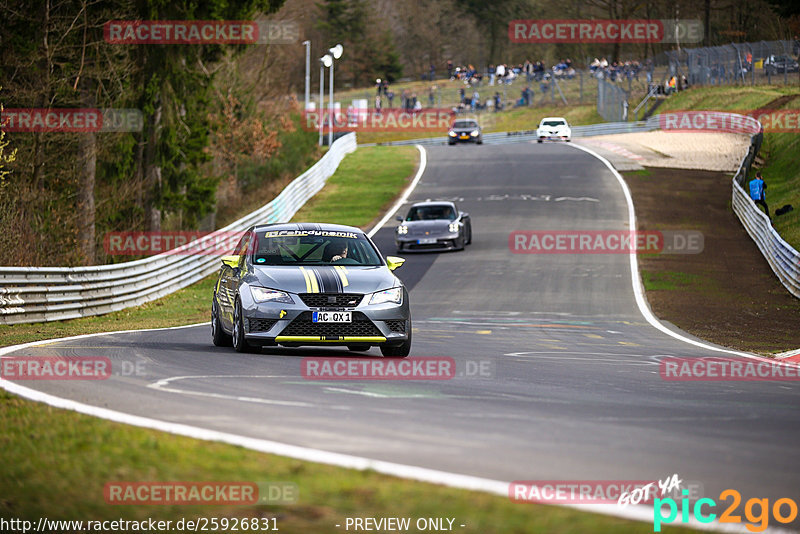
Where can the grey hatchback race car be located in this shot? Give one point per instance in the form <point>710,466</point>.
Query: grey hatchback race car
<point>310,284</point>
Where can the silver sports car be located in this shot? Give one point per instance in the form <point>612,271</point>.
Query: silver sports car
<point>433,226</point>
<point>310,284</point>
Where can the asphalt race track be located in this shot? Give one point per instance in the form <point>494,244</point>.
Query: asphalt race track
<point>571,387</point>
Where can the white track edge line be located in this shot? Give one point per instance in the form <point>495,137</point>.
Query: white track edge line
<point>638,291</point>
<point>423,163</point>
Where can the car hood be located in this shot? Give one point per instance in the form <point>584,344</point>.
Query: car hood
<point>435,227</point>
<point>465,130</point>
<point>329,279</point>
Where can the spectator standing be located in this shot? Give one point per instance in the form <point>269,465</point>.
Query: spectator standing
<point>449,69</point>
<point>431,95</point>
<point>500,72</point>
<point>390,96</point>
<point>758,192</point>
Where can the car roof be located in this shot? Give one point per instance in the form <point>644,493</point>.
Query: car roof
<point>433,203</point>
<point>306,227</point>
<point>554,119</point>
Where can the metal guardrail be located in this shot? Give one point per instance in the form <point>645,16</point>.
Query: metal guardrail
<point>782,257</point>
<point>39,294</point>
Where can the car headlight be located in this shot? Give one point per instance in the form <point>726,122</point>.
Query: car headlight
<point>474,133</point>
<point>402,229</point>
<point>453,227</point>
<point>389,295</point>
<point>452,133</point>
<point>262,294</point>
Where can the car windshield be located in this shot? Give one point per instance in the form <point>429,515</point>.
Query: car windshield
<point>313,247</point>
<point>553,123</point>
<point>465,124</point>
<point>431,213</point>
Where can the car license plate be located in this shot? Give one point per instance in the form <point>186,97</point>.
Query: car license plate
<point>331,317</point>
<point>464,137</point>
<point>426,241</point>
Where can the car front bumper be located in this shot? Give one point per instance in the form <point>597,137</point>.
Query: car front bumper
<point>291,325</point>
<point>408,243</point>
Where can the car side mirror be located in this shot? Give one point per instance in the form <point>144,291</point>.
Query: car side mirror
<point>463,214</point>
<point>231,261</point>
<point>393,262</point>
<point>399,218</point>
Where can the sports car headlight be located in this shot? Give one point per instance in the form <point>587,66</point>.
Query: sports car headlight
<point>453,227</point>
<point>402,229</point>
<point>474,133</point>
<point>389,295</point>
<point>262,294</point>
<point>451,133</point>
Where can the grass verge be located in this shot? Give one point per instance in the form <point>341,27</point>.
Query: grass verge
<point>83,453</point>
<point>57,462</point>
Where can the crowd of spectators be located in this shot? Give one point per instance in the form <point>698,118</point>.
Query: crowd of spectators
<point>506,74</point>
<point>620,70</point>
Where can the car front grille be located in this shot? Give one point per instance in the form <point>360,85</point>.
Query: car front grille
<point>430,246</point>
<point>397,326</point>
<point>302,326</point>
<point>261,325</point>
<point>331,300</point>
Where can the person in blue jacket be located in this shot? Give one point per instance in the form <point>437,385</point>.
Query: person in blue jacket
<point>757,188</point>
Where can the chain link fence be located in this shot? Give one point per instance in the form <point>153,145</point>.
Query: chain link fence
<point>612,101</point>
<point>763,62</point>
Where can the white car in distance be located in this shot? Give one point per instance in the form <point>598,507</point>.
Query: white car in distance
<point>556,128</point>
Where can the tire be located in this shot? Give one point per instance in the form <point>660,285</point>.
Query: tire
<point>469,235</point>
<point>398,351</point>
<point>479,141</point>
<point>539,141</point>
<point>218,335</point>
<point>357,348</point>
<point>239,342</point>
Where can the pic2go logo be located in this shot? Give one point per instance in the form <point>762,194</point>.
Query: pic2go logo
<point>759,520</point>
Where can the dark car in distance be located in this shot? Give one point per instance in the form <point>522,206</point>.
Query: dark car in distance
<point>465,131</point>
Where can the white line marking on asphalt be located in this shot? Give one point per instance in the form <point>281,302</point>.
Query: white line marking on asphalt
<point>161,385</point>
<point>423,163</point>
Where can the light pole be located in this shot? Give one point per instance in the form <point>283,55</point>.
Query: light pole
<point>336,53</point>
<point>308,75</point>
<point>324,61</point>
